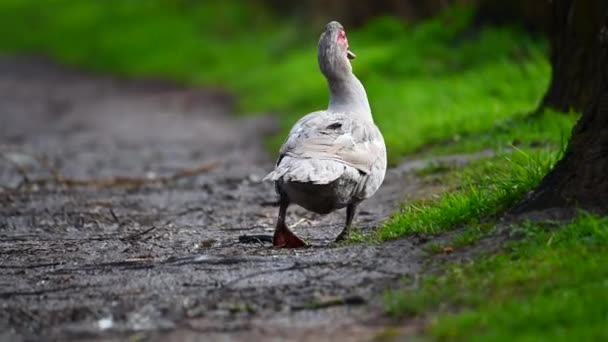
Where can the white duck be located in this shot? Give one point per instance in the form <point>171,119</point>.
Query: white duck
<point>333,158</point>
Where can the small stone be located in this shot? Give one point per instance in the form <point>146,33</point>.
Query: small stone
<point>105,323</point>
<point>255,178</point>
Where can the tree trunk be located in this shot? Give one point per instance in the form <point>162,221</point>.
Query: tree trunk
<point>580,69</point>
<point>573,32</point>
<point>534,16</point>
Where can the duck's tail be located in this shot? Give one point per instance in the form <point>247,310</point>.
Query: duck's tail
<point>314,171</point>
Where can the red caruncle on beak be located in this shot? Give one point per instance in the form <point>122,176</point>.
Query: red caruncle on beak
<point>342,38</point>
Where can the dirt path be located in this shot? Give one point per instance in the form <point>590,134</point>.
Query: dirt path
<point>162,260</point>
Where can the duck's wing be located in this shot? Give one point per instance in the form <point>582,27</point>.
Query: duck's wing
<point>335,136</point>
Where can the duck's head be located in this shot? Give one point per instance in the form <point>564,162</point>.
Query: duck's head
<point>334,54</point>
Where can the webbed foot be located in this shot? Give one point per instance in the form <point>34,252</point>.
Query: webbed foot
<point>285,238</point>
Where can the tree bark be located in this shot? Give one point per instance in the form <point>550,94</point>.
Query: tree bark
<point>580,63</point>
<point>534,16</point>
<point>573,29</point>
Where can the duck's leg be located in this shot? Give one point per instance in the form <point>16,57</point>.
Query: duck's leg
<point>283,237</point>
<point>351,209</point>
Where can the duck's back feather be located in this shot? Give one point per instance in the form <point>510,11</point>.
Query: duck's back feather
<point>337,137</point>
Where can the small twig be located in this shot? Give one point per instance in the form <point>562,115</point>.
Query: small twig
<point>296,266</point>
<point>329,302</point>
<point>257,238</point>
<point>31,237</point>
<point>139,259</point>
<point>138,234</point>
<point>114,216</point>
<point>183,173</point>
<point>127,264</point>
<point>211,260</point>
<point>30,266</point>
<point>300,221</point>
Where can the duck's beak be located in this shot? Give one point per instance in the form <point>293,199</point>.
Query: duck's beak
<point>350,54</point>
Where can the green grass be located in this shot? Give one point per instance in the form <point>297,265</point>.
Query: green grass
<point>427,82</point>
<point>486,188</point>
<point>551,285</point>
<point>546,130</point>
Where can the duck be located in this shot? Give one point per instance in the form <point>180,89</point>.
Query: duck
<point>333,158</point>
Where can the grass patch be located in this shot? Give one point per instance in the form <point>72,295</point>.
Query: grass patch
<point>487,188</point>
<point>426,82</point>
<point>549,130</point>
<point>550,285</point>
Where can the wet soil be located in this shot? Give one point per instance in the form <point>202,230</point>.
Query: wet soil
<point>121,207</point>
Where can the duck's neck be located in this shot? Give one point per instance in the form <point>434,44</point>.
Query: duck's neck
<point>347,95</point>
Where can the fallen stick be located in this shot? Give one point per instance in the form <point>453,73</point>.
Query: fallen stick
<point>328,302</point>
<point>257,238</point>
<point>123,180</point>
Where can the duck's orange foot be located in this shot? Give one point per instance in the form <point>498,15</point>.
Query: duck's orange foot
<point>285,238</point>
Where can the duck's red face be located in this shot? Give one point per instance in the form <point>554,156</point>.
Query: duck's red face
<point>342,40</point>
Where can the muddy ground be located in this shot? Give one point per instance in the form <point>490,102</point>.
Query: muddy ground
<point>121,208</point>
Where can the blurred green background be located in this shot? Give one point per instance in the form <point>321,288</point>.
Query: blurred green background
<point>434,70</point>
